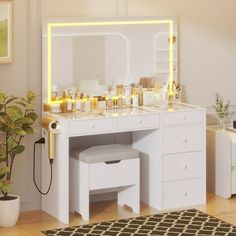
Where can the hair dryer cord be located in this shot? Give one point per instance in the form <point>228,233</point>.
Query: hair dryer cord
<point>41,141</point>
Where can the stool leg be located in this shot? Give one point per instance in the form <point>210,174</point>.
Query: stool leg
<point>130,196</point>
<point>83,206</point>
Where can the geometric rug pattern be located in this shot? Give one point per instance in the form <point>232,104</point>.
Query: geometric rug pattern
<point>178,223</point>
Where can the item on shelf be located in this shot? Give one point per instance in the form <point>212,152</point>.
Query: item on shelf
<point>46,107</point>
<point>222,110</point>
<point>54,93</point>
<point>87,104</point>
<point>119,89</point>
<point>109,97</point>
<point>56,107</point>
<point>140,95</point>
<point>63,102</point>
<point>120,100</point>
<point>134,95</point>
<point>234,124</point>
<point>94,103</point>
<point>148,98</point>
<point>164,94</point>
<point>77,103</point>
<point>177,91</point>
<point>127,96</point>
<point>147,82</point>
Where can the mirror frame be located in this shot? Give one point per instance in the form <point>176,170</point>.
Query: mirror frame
<point>52,25</point>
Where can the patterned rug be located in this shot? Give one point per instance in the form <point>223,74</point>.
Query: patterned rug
<point>184,223</point>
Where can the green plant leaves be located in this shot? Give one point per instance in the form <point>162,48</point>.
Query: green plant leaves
<point>2,98</point>
<point>31,96</point>
<point>5,186</point>
<point>14,112</point>
<point>17,149</point>
<point>11,99</point>
<point>17,117</point>
<point>32,115</point>
<point>3,172</point>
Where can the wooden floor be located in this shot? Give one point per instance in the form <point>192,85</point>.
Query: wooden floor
<point>31,223</point>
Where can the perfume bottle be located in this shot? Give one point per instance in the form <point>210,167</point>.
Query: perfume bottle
<point>140,95</point>
<point>134,96</point>
<point>77,103</point>
<point>63,102</point>
<point>109,101</point>
<point>127,96</point>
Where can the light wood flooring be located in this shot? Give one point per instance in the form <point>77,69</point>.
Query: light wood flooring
<point>33,222</point>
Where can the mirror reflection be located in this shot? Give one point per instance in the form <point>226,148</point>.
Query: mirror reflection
<point>95,59</point>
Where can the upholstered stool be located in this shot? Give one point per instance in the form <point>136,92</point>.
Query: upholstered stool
<point>101,168</point>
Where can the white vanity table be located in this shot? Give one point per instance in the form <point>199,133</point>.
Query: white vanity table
<point>171,142</point>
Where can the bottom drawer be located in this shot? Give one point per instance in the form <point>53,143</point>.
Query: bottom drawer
<point>184,193</point>
<point>104,175</point>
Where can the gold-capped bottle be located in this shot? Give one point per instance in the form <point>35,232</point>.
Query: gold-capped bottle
<point>63,103</point>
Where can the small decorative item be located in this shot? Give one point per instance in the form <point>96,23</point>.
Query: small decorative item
<point>6,31</point>
<point>222,110</point>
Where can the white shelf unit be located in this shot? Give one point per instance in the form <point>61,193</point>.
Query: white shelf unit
<point>161,56</point>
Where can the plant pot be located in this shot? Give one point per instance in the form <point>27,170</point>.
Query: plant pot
<point>9,210</point>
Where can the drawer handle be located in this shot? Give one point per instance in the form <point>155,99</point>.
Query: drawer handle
<point>140,121</point>
<point>184,139</point>
<point>92,125</point>
<point>112,162</point>
<point>185,194</point>
<point>185,167</point>
<point>184,117</point>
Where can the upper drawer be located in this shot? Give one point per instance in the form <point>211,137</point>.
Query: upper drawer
<point>138,122</point>
<point>183,139</point>
<point>178,118</point>
<point>80,127</point>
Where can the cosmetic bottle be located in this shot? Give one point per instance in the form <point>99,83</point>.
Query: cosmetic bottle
<point>148,98</point>
<point>120,101</point>
<point>54,93</point>
<point>87,104</point>
<point>63,102</point>
<point>164,92</point>
<point>140,95</point>
<point>109,101</point>
<point>119,95</point>
<point>134,96</point>
<point>69,106</point>
<point>127,96</point>
<point>119,89</point>
<point>77,103</point>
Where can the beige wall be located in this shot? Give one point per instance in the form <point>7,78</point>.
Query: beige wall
<point>207,53</point>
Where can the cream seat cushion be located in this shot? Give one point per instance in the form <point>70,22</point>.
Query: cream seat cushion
<point>105,153</point>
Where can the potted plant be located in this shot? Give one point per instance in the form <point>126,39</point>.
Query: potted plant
<point>222,109</point>
<point>17,117</point>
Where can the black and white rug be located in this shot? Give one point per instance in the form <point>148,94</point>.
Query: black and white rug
<point>184,223</point>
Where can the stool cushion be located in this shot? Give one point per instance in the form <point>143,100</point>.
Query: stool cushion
<point>104,153</point>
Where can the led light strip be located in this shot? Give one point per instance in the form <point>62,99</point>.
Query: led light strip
<point>107,23</point>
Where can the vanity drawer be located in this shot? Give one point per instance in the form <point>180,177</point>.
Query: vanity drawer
<point>184,193</point>
<point>99,174</point>
<point>233,180</point>
<point>80,127</point>
<point>137,122</point>
<point>178,118</point>
<point>183,166</point>
<point>183,139</point>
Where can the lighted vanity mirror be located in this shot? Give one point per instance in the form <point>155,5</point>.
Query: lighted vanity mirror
<point>93,54</point>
